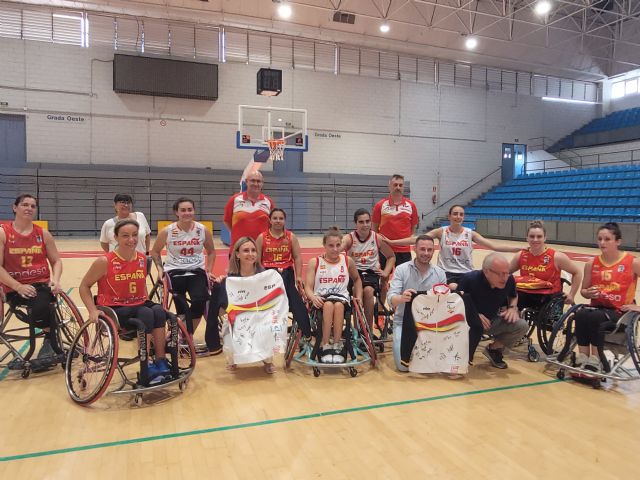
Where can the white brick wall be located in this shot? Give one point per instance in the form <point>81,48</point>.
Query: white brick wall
<point>425,132</point>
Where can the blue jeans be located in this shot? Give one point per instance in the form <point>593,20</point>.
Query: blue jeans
<point>397,339</point>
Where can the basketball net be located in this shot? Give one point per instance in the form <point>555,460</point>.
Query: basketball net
<point>276,149</point>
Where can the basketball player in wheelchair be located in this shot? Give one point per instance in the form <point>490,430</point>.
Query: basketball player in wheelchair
<point>30,270</point>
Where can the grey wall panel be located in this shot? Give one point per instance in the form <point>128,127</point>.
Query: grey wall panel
<point>78,201</point>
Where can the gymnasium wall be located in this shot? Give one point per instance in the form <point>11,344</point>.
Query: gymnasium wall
<point>436,135</point>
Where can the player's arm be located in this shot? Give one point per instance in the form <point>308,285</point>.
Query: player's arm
<point>347,242</point>
<point>386,250</point>
<point>210,247</point>
<point>310,280</point>
<point>355,277</point>
<point>104,238</point>
<point>514,264</point>
<point>54,259</point>
<point>495,246</point>
<point>588,291</point>
<point>6,279</point>
<point>228,213</point>
<point>259,242</point>
<point>635,266</point>
<point>97,270</point>
<point>297,260</point>
<point>158,246</point>
<point>563,263</point>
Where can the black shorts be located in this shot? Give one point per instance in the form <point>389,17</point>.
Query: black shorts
<point>401,257</point>
<point>370,279</point>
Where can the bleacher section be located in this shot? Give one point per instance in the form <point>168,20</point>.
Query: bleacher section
<point>586,195</point>
<point>620,126</point>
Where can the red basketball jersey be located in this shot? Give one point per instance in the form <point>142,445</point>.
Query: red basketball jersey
<point>125,282</point>
<point>277,252</point>
<point>616,282</point>
<point>542,267</point>
<point>25,256</point>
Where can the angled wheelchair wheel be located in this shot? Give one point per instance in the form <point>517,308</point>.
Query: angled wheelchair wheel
<point>167,299</point>
<point>292,344</point>
<point>562,340</point>
<point>69,320</point>
<point>364,331</point>
<point>186,349</point>
<point>546,319</point>
<point>633,340</point>
<point>92,361</point>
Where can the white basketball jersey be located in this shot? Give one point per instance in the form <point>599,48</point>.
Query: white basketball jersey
<point>185,249</point>
<point>443,334</point>
<point>455,251</point>
<point>332,279</point>
<point>366,254</point>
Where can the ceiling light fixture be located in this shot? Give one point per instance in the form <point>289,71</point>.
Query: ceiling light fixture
<point>567,100</point>
<point>284,11</point>
<point>384,27</point>
<point>542,7</point>
<point>471,43</point>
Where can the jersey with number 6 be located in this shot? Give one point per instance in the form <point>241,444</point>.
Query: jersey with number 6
<point>185,248</point>
<point>124,283</point>
<point>25,256</point>
<point>455,251</point>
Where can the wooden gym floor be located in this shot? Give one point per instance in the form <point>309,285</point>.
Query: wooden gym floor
<point>494,424</point>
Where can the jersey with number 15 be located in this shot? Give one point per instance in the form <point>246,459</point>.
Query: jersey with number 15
<point>124,284</point>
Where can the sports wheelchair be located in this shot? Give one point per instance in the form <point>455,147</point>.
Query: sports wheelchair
<point>94,358</point>
<point>619,356</point>
<point>383,323</point>
<point>171,299</point>
<point>67,323</point>
<point>541,320</point>
<point>358,345</point>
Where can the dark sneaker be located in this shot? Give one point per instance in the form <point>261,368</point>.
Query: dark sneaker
<point>16,364</point>
<point>46,350</point>
<point>495,357</point>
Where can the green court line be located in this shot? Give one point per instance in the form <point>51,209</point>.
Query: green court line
<point>5,370</point>
<point>239,426</point>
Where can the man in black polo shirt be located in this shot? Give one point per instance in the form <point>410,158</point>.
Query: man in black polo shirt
<point>491,305</point>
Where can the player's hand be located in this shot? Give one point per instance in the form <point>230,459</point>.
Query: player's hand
<point>219,279</point>
<point>26,291</point>
<point>569,300</point>
<point>94,315</point>
<point>592,292</point>
<point>317,301</point>
<point>511,315</point>
<point>486,323</point>
<point>300,284</point>
<point>407,295</point>
<point>631,307</point>
<point>55,287</point>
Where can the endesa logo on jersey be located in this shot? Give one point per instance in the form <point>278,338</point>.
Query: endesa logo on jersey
<point>32,273</point>
<point>338,279</point>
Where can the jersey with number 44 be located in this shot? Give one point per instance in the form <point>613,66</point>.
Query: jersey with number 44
<point>185,248</point>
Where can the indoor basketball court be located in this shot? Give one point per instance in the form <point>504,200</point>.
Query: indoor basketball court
<point>327,100</point>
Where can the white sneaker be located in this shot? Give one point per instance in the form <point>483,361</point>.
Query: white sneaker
<point>337,353</point>
<point>327,353</point>
<point>593,364</point>
<point>581,359</point>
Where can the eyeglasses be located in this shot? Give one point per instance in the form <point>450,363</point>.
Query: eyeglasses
<point>500,274</point>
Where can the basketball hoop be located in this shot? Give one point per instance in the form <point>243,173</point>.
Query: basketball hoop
<point>276,149</point>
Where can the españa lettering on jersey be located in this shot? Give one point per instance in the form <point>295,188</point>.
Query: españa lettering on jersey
<point>25,256</point>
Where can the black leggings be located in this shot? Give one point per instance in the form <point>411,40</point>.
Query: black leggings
<point>192,281</point>
<point>40,310</point>
<point>591,325</point>
<point>296,305</point>
<point>150,314</point>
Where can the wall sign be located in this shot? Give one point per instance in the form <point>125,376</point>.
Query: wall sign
<point>65,118</point>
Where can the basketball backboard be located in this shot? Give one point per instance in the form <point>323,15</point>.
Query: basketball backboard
<point>257,125</point>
